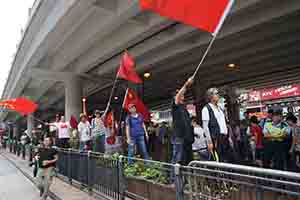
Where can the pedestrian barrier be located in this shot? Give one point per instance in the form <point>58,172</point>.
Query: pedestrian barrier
<point>112,177</point>
<point>206,180</point>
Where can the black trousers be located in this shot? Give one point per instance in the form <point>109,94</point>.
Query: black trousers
<point>187,156</point>
<point>275,152</point>
<point>222,146</point>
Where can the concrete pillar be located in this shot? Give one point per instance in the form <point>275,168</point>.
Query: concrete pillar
<point>30,124</point>
<point>15,131</point>
<point>73,98</point>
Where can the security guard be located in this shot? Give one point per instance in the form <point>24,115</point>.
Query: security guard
<point>275,133</point>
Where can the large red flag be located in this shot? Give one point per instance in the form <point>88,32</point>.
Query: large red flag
<point>127,69</point>
<point>132,98</point>
<point>208,15</point>
<point>21,105</point>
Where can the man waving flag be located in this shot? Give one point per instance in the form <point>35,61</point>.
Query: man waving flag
<point>207,15</point>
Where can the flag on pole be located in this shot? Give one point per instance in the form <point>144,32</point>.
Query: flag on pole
<point>108,120</point>
<point>127,69</point>
<point>73,122</point>
<point>21,105</point>
<point>132,98</point>
<point>207,15</point>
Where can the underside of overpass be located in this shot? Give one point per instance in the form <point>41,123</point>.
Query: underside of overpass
<point>86,39</point>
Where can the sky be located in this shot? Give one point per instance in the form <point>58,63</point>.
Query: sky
<point>13,18</point>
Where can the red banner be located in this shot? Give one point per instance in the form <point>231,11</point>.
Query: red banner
<point>281,92</point>
<point>275,93</point>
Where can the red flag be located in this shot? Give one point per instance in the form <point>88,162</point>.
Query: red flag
<point>127,69</point>
<point>73,122</point>
<point>111,122</point>
<point>132,98</point>
<point>208,15</point>
<point>108,121</point>
<point>21,105</point>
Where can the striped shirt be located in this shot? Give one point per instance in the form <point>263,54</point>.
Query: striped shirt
<point>98,127</point>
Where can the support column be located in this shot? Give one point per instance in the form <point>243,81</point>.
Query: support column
<point>30,124</point>
<point>73,98</point>
<point>15,130</point>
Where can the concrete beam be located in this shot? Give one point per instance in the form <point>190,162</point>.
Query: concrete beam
<point>234,24</point>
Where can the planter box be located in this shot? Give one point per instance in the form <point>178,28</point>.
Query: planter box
<point>139,188</point>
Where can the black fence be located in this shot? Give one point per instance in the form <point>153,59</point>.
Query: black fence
<point>112,177</point>
<point>97,173</point>
<point>16,148</point>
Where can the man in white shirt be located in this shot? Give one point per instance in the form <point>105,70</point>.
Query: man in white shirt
<point>214,124</point>
<point>63,129</point>
<point>53,129</point>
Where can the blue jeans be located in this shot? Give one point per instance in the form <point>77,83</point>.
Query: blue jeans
<point>99,143</point>
<point>140,142</point>
<point>177,151</point>
<point>177,156</point>
<point>82,145</point>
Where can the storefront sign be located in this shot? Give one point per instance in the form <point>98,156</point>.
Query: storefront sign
<point>282,92</point>
<point>274,93</point>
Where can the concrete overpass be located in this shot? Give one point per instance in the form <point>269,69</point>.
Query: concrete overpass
<point>72,48</point>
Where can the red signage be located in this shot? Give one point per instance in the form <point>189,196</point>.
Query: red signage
<point>275,93</point>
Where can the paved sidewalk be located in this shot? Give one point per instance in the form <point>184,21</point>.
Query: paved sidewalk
<point>59,188</point>
<point>13,185</point>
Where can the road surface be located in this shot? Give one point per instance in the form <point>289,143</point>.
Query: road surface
<point>13,185</point>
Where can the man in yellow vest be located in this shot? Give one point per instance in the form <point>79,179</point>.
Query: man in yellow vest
<point>275,132</point>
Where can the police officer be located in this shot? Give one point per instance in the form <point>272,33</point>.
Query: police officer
<point>275,133</point>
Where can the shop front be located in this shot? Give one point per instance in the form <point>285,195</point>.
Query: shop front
<point>257,102</point>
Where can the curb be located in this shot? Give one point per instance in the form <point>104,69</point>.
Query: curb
<point>29,177</point>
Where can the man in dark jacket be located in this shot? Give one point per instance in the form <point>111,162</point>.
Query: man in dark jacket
<point>183,130</point>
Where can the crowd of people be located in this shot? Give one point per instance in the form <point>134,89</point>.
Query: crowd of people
<point>272,142</point>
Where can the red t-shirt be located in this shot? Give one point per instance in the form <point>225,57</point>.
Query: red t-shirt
<point>258,134</point>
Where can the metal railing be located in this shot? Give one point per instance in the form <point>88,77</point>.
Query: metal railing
<point>112,177</point>
<point>212,180</point>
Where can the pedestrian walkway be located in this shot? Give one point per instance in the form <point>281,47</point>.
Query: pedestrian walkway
<point>59,189</point>
<point>13,185</point>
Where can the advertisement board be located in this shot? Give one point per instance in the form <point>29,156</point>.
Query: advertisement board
<point>274,93</point>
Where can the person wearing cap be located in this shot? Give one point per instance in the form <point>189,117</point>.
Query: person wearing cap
<point>275,133</point>
<point>183,131</point>
<point>214,124</point>
<point>136,132</point>
<point>267,119</point>
<point>84,130</point>
<point>98,133</point>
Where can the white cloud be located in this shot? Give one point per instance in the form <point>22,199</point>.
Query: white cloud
<point>13,18</point>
